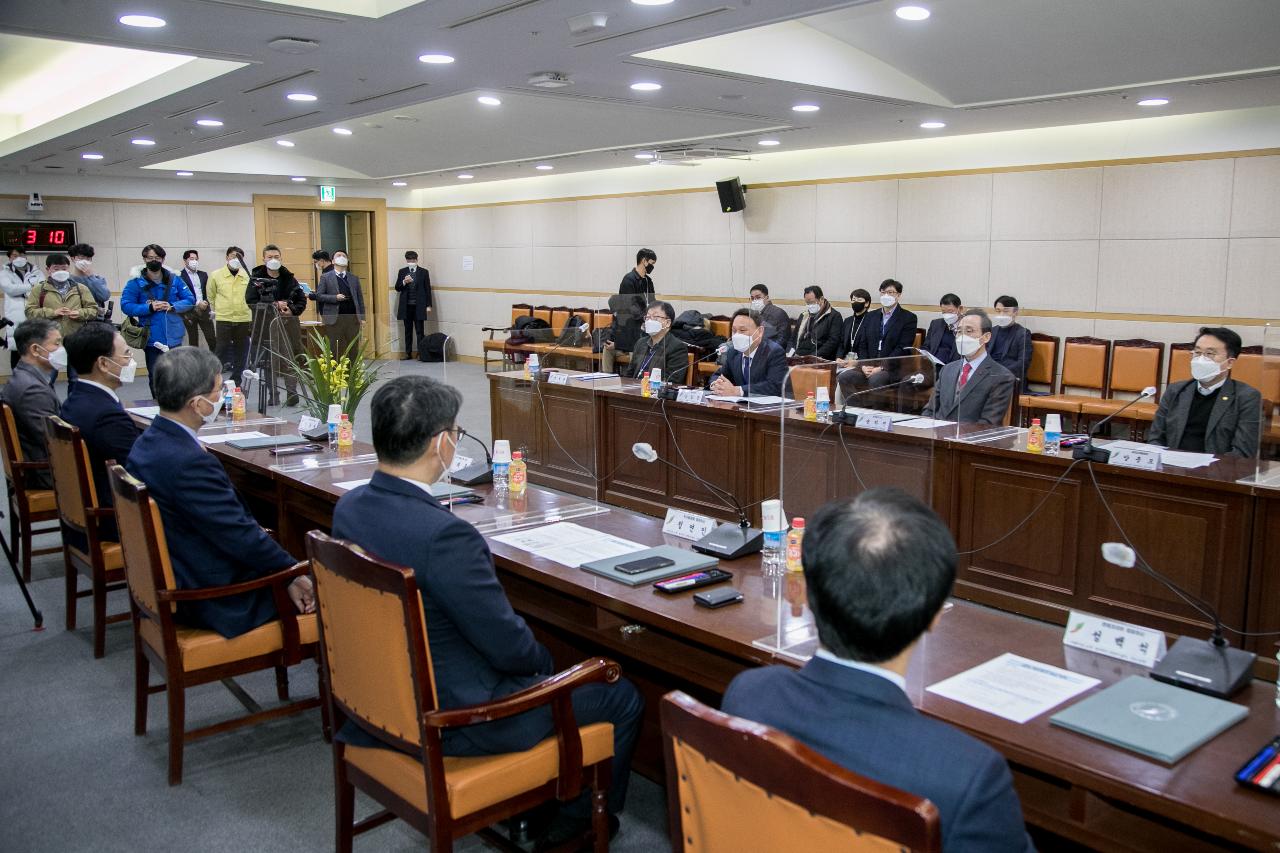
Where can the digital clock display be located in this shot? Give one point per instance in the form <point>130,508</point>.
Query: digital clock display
<point>37,236</point>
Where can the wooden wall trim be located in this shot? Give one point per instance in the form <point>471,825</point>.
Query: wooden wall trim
<point>107,199</point>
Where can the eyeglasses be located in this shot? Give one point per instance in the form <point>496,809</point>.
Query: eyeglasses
<point>1207,353</point>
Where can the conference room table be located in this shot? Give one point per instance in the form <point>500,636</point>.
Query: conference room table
<point>1071,785</point>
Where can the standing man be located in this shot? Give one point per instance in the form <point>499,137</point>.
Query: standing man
<point>777,325</point>
<point>974,389</point>
<point>197,319</point>
<point>1210,412</point>
<point>341,305</point>
<point>226,289</point>
<point>413,283</point>
<point>157,298</point>
<point>639,280</point>
<point>272,281</point>
<point>30,393</point>
<point>323,262</point>
<point>15,281</point>
<point>82,273</point>
<point>59,298</point>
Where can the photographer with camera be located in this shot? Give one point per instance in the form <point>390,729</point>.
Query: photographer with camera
<point>272,283</point>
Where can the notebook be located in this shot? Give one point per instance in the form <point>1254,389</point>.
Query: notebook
<point>266,441</point>
<point>1151,718</point>
<point>684,563</point>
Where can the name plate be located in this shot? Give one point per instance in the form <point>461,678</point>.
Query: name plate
<point>308,423</point>
<point>460,462</point>
<point>557,378</point>
<point>878,422</point>
<point>690,395</point>
<point>1143,460</point>
<point>1119,640</point>
<point>688,525</point>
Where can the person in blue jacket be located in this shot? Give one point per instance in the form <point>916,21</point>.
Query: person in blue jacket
<point>157,297</point>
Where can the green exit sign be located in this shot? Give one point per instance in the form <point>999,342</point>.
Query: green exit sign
<point>328,193</point>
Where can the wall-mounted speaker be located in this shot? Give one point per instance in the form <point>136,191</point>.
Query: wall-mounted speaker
<point>732,195</point>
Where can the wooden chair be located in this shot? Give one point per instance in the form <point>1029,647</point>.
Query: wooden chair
<point>193,656</point>
<point>1044,361</point>
<point>1260,371</point>
<point>520,309</point>
<point>559,317</point>
<point>603,319</point>
<point>27,507</point>
<point>1136,363</point>
<point>811,377</point>
<point>84,551</point>
<point>543,313</point>
<point>735,785</point>
<point>918,340</point>
<point>586,316</point>
<point>720,325</point>
<point>1084,367</point>
<point>1179,363</point>
<point>377,673</point>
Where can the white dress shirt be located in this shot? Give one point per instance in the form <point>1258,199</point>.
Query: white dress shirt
<point>886,674</point>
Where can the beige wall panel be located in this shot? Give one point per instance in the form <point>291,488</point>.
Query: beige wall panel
<point>787,268</point>
<point>435,224</point>
<point>928,270</point>
<point>555,223</point>
<point>1253,278</point>
<point>404,230</point>
<point>668,276</point>
<point>474,227</point>
<point>652,220</point>
<point>781,215</point>
<point>601,268</point>
<point>449,263</point>
<point>859,212</point>
<point>704,222</point>
<point>1255,208</point>
<point>1060,275</point>
<point>95,220</point>
<point>1167,200</point>
<point>510,267</point>
<point>1166,333</point>
<point>513,224</point>
<point>1060,204</point>
<point>1162,276</point>
<point>554,268</point>
<point>140,224</point>
<point>952,208</point>
<point>714,270</point>
<point>840,267</point>
<point>210,225</point>
<point>602,222</point>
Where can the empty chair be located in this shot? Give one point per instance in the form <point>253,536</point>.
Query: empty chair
<point>1084,368</point>
<point>1136,364</point>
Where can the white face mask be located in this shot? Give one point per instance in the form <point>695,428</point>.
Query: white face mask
<point>757,304</point>
<point>193,264</point>
<point>83,264</point>
<point>60,276</point>
<point>1001,319</point>
<point>233,264</point>
<point>652,327</point>
<point>741,342</point>
<point>888,300</point>
<point>57,358</point>
<point>212,416</point>
<point>1204,368</point>
<point>966,345</point>
<point>813,308</point>
<point>273,264</point>
<point>413,267</point>
<point>444,466</point>
<point>950,319</point>
<point>128,372</point>
<point>340,261</point>
<point>19,262</point>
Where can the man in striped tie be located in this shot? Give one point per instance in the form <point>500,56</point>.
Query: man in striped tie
<point>975,389</point>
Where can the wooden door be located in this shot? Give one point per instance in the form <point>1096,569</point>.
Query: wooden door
<point>295,232</point>
<point>360,255</point>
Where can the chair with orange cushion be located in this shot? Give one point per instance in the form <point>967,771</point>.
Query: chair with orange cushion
<point>81,517</point>
<point>1262,371</point>
<point>194,656</point>
<point>1136,363</point>
<point>543,313</point>
<point>736,785</point>
<point>586,316</point>
<point>719,325</point>
<point>1084,368</point>
<point>559,317</point>
<point>27,507</point>
<point>810,377</point>
<point>377,671</point>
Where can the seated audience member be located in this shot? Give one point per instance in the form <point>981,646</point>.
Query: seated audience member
<point>480,649</point>
<point>878,569</point>
<point>777,325</point>
<point>974,389</point>
<point>30,393</point>
<point>658,348</point>
<point>1211,412</point>
<point>887,334</point>
<point>213,539</point>
<point>819,326</point>
<point>860,303</point>
<point>754,365</point>
<point>940,338</point>
<point>1011,341</point>
<point>102,362</point>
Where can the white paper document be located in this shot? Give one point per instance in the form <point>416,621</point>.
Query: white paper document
<point>933,358</point>
<point>754,400</point>
<point>231,436</point>
<point>896,417</point>
<point>351,484</point>
<point>569,544</point>
<point>1013,687</point>
<point>147,412</point>
<point>924,423</point>
<point>1177,458</point>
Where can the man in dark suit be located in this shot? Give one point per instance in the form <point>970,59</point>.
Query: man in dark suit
<point>102,362</point>
<point>819,325</point>
<point>1211,412</point>
<point>639,281</point>
<point>197,319</point>
<point>341,305</point>
<point>413,283</point>
<point>658,348</point>
<point>887,334</point>
<point>878,569</point>
<point>30,393</point>
<point>940,337</point>
<point>777,325</point>
<point>1011,341</point>
<point>213,539</point>
<point>755,365</point>
<point>973,389</point>
<point>480,649</point>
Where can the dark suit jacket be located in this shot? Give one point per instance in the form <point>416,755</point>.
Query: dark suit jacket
<point>778,325</point>
<point>480,648</point>
<point>983,400</point>
<point>849,331</point>
<point>213,539</point>
<point>327,296</point>
<point>198,284</point>
<point>635,283</point>
<point>768,370</point>
<point>898,335</point>
<point>1011,346</point>
<point>287,289</point>
<point>1234,422</point>
<point>422,293</point>
<point>107,430</point>
<point>822,337</point>
<point>672,356</point>
<point>940,341</point>
<point>30,394</point>
<point>867,724</point>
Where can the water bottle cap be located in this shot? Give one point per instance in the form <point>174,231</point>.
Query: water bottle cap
<point>797,523</point>
<point>517,455</point>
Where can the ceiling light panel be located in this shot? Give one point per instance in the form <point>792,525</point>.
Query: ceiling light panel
<point>146,22</point>
<point>912,13</point>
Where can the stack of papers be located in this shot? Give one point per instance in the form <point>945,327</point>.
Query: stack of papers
<point>924,423</point>
<point>230,436</point>
<point>569,544</point>
<point>896,417</point>
<point>1013,687</point>
<point>1177,458</point>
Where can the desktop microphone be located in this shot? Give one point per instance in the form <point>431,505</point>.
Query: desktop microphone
<point>477,472</point>
<point>1099,454</point>
<point>1210,666</point>
<point>728,541</point>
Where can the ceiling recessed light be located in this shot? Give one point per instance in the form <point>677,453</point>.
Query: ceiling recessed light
<point>149,22</point>
<point>342,131</point>
<point>297,180</point>
<point>652,2</point>
<point>399,183</point>
<point>144,141</point>
<point>1153,102</point>
<point>465,177</point>
<point>184,174</point>
<point>436,58</point>
<point>768,143</point>
<point>284,143</point>
<point>301,96</point>
<point>544,167</point>
<point>208,122</point>
<point>912,13</point>
<point>806,108</point>
<point>646,87</point>
<point>644,155</point>
<point>489,101</point>
<point>933,125</point>
<point>90,156</point>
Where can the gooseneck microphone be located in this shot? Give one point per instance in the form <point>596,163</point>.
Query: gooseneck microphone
<point>1099,454</point>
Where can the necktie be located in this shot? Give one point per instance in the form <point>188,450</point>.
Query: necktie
<point>964,373</point>
<point>746,369</point>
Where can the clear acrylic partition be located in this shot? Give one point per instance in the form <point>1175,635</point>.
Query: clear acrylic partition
<point>995,419</point>
<point>1265,471</point>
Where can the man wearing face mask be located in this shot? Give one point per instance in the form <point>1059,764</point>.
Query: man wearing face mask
<point>102,362</point>
<point>341,305</point>
<point>777,325</point>
<point>639,281</point>
<point>887,334</point>
<point>285,331</point>
<point>30,393</point>
<point>860,302</point>
<point>157,298</point>
<point>197,320</point>
<point>413,283</point>
<point>226,292</point>
<point>213,539</point>
<point>818,332</point>
<point>755,365</point>
<point>974,389</point>
<point>60,299</point>
<point>81,255</point>
<point>1211,412</point>
<point>658,348</point>
<point>15,281</point>
<point>940,339</point>
<point>1011,342</point>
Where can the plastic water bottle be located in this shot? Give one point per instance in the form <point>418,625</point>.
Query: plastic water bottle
<point>655,381</point>
<point>335,415</point>
<point>822,402</point>
<point>1052,434</point>
<point>532,364</point>
<point>237,405</point>
<point>501,465</point>
<point>773,560</point>
<point>646,390</point>
<point>228,398</point>
<point>794,539</point>
<point>346,436</point>
<point>519,473</point>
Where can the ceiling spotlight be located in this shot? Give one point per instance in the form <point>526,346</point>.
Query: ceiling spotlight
<point>90,156</point>
<point>806,108</point>
<point>144,142</point>
<point>465,177</point>
<point>1153,102</point>
<point>933,125</point>
<point>489,101</point>
<point>912,13</point>
<point>184,174</point>
<point>297,180</point>
<point>436,58</point>
<point>301,96</point>
<point>768,143</point>
<point>644,155</point>
<point>284,143</point>
<point>652,2</point>
<point>149,22</point>
<point>342,131</point>
<point>645,87</point>
<point>208,122</point>
<point>399,184</point>
<point>544,167</point>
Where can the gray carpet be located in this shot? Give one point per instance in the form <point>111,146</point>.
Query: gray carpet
<point>77,779</point>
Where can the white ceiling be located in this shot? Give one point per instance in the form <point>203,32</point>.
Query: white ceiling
<point>978,65</point>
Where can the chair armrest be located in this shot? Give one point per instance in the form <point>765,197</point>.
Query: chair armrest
<point>177,595</point>
<point>100,511</point>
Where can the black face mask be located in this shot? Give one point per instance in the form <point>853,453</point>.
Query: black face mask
<point>648,268</point>
<point>859,307</point>
<point>154,266</point>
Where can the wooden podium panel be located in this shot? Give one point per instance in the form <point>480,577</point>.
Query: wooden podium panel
<point>553,425</point>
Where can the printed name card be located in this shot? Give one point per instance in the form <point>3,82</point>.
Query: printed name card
<point>690,395</point>
<point>877,422</point>
<point>308,423</point>
<point>1130,457</point>
<point>557,378</point>
<point>688,525</point>
<point>1119,640</point>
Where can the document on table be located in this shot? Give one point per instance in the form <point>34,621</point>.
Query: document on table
<point>1177,458</point>
<point>757,400</point>
<point>1013,687</point>
<point>231,436</point>
<point>351,484</point>
<point>896,417</point>
<point>148,412</point>
<point>933,358</point>
<point>924,423</point>
<point>569,544</point>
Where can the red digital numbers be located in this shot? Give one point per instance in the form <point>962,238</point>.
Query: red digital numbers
<point>31,236</point>
<point>58,237</point>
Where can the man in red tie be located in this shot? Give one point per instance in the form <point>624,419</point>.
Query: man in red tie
<point>975,389</point>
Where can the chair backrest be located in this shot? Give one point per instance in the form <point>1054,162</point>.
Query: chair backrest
<point>1135,364</point>
<point>142,543</point>
<point>586,316</point>
<point>603,320</point>
<point>736,785</point>
<point>1084,363</point>
<point>559,317</point>
<point>1252,368</point>
<point>520,309</point>
<point>72,485</point>
<point>1179,363</point>
<point>10,447</point>
<point>373,639</point>
<point>543,313</point>
<point>720,325</point>
<point>806,378</point>
<point>1044,359</point>
<point>918,339</point>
